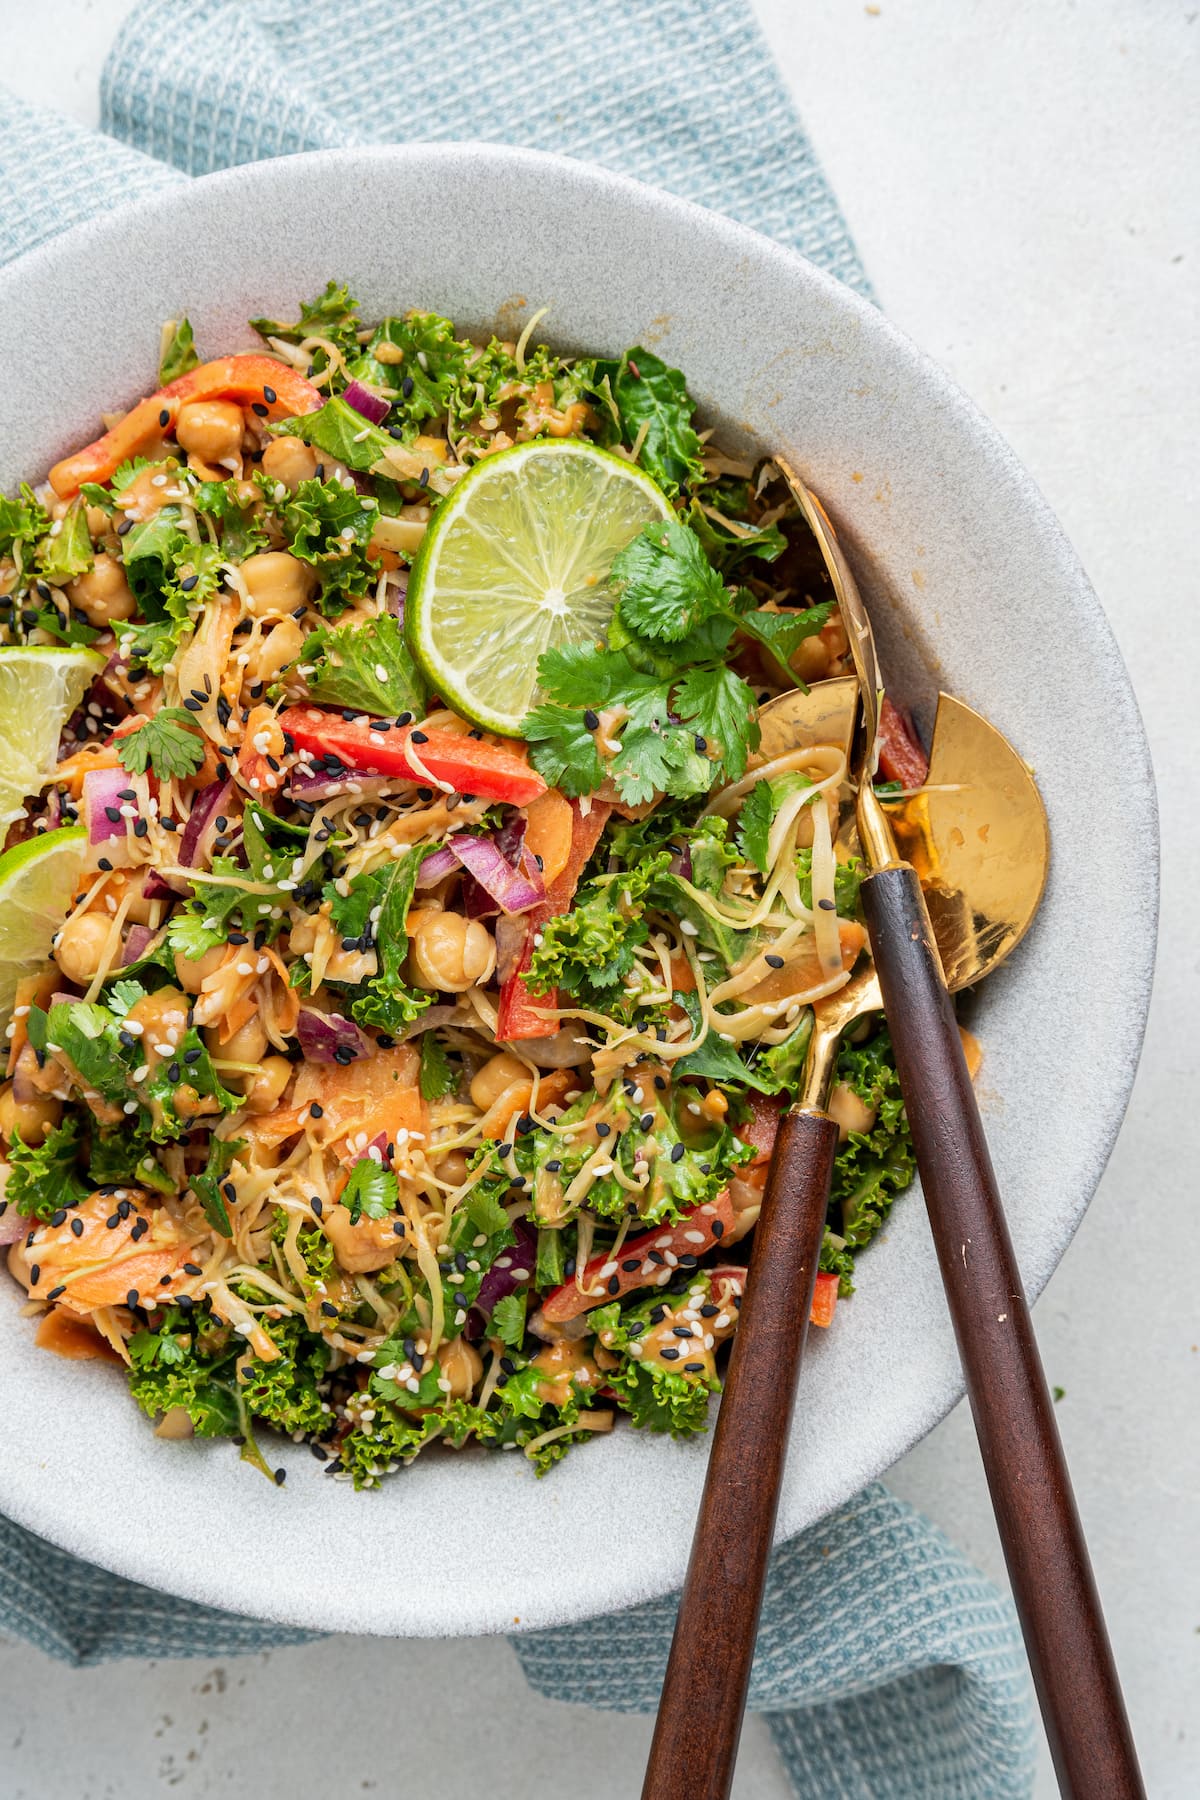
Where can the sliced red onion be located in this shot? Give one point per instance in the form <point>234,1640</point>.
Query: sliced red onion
<point>101,795</point>
<point>378,1142</point>
<point>398,592</point>
<point>437,866</point>
<point>54,809</point>
<point>13,1226</point>
<point>511,1269</point>
<point>138,941</point>
<point>323,1034</point>
<point>196,843</point>
<point>681,864</point>
<point>513,890</point>
<point>365,402</point>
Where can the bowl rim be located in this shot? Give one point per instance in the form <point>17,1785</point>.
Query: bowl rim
<point>31,1504</point>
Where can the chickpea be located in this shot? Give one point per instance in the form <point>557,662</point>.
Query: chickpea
<point>498,1073</point>
<point>461,1365</point>
<point>810,660</point>
<point>449,953</point>
<point>81,945</point>
<point>277,582</point>
<point>247,1045</point>
<point>286,459</point>
<point>265,1088</point>
<point>848,1112</point>
<point>102,594</point>
<point>211,429</point>
<point>190,971</point>
<point>34,1118</point>
<point>280,646</point>
<point>451,1168</point>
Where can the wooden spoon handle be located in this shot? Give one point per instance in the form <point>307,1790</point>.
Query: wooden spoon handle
<point>1069,1652</point>
<point>704,1691</point>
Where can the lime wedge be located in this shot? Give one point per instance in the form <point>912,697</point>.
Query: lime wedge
<point>517,561</point>
<point>37,881</point>
<point>39,690</point>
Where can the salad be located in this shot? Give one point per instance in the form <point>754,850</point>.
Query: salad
<point>405,948</point>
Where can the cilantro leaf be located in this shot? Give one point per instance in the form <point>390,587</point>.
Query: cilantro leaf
<point>178,352</point>
<point>207,1184</point>
<point>754,824</point>
<point>372,1191</point>
<point>563,750</point>
<point>508,1320</point>
<point>44,1177</point>
<point>68,551</point>
<point>781,633</point>
<point>368,667</point>
<point>668,585</point>
<point>168,743</point>
<point>438,1077</point>
<point>718,704</point>
<point>577,675</point>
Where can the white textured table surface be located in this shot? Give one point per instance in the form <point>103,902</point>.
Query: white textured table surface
<point>1023,183</point>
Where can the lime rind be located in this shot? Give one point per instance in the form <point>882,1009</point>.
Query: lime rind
<point>37,881</point>
<point>40,687</point>
<point>517,562</point>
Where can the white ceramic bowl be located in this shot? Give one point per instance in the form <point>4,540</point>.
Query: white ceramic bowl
<point>973,587</point>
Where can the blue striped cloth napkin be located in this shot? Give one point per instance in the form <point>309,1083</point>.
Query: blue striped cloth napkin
<point>889,1668</point>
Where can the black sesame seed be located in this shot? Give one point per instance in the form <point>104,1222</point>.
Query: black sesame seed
<point>676,1152</point>
<point>602,1128</point>
<point>420,737</point>
<point>647,1121</point>
<point>631,1265</point>
<point>343,1054</point>
<point>553,1165</point>
<point>229,1191</point>
<point>591,719</point>
<point>124,1208</point>
<point>317,1204</point>
<point>77,1227</point>
<point>124,526</point>
<point>329,1309</point>
<point>191,1268</point>
<point>191,1056</point>
<point>173,1071</point>
<point>140,828</point>
<point>614,1284</point>
<point>671,1354</point>
<point>569,1268</point>
<point>508,1365</point>
<point>656,1256</point>
<point>717,1228</point>
<point>57,1218</point>
<point>269,394</point>
<point>131,1298</point>
<point>660,1082</point>
<point>164,417</point>
<point>113,814</point>
<point>693,1368</point>
<point>708,1310</point>
<point>406,387</point>
<point>256,406</point>
<point>193,705</point>
<point>35,1273</point>
<point>280,1477</point>
<point>773,962</point>
<point>683,1331</point>
<point>316,1110</point>
<point>103,863</point>
<point>112,1221</point>
<point>701,743</point>
<point>188,583</point>
<point>688,1262</point>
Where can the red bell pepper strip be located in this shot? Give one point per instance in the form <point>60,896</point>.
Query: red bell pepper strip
<point>522,1014</point>
<point>762,1127</point>
<point>242,379</point>
<point>470,765</point>
<point>825,1297</point>
<point>901,756</point>
<point>649,1260</point>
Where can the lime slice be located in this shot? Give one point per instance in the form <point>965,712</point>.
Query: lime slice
<point>39,690</point>
<point>37,881</point>
<point>517,561</point>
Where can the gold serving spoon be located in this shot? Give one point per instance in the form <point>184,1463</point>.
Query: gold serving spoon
<point>979,830</point>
